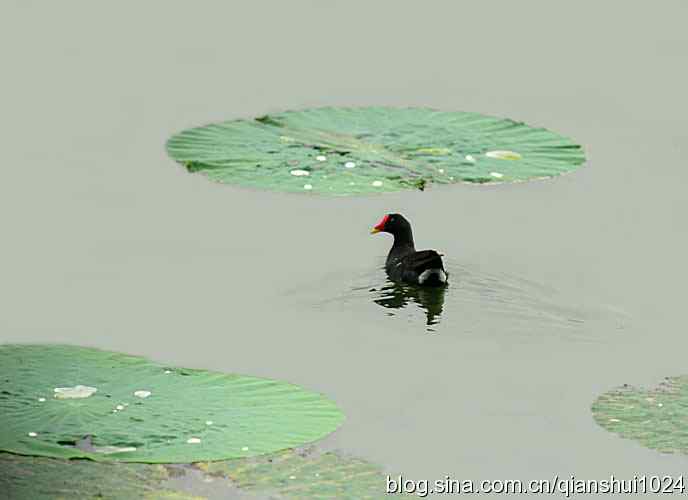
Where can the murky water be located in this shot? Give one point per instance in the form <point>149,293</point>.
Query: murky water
<point>473,300</point>
<point>559,289</point>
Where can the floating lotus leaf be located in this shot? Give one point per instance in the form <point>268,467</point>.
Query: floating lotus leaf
<point>41,478</point>
<point>288,474</point>
<point>656,418</point>
<point>299,475</point>
<point>186,415</point>
<point>344,151</point>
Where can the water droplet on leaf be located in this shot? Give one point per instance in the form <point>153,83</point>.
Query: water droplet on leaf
<point>76,392</point>
<point>503,155</point>
<point>109,450</point>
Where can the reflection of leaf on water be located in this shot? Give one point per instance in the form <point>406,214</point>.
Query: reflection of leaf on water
<point>398,296</point>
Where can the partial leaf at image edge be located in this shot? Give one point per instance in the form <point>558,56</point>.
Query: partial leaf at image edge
<point>142,411</point>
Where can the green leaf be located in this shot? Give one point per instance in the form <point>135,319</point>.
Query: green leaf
<point>143,411</point>
<point>38,478</point>
<point>288,474</point>
<point>656,418</point>
<point>293,474</point>
<point>346,151</point>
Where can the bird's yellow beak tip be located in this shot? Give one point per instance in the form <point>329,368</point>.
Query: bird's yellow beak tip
<point>374,230</point>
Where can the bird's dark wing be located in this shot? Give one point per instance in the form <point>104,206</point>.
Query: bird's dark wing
<point>420,261</point>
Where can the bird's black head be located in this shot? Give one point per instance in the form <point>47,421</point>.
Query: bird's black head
<point>395,224</point>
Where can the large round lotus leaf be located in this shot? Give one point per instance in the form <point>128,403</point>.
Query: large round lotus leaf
<point>656,418</point>
<point>39,478</point>
<point>343,151</point>
<point>301,475</point>
<point>146,412</point>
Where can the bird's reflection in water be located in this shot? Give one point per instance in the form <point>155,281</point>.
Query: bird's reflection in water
<point>397,296</point>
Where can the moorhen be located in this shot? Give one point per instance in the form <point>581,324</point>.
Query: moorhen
<point>404,263</point>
